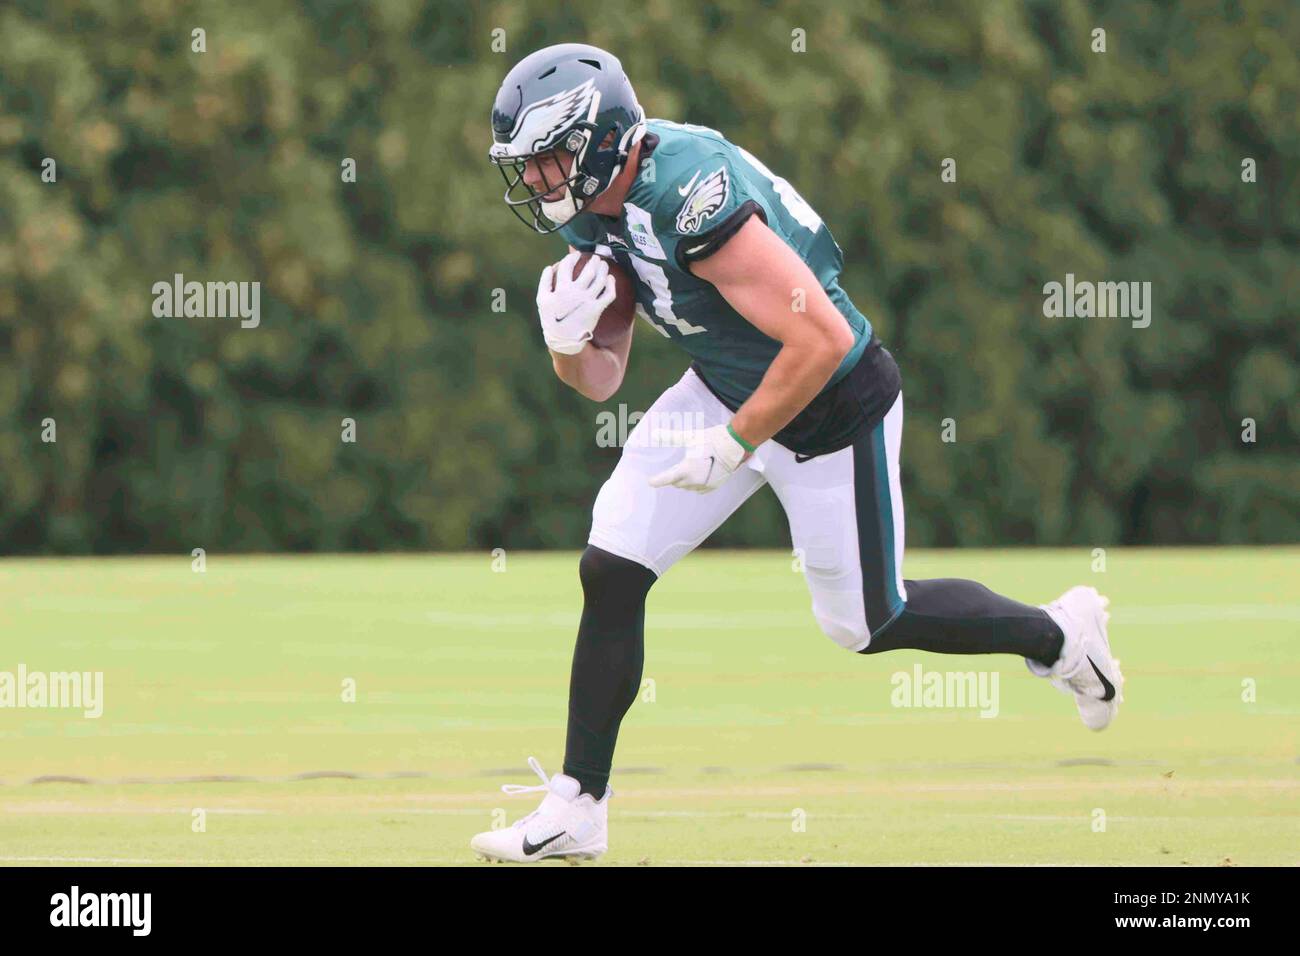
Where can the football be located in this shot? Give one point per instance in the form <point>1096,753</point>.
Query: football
<point>616,319</point>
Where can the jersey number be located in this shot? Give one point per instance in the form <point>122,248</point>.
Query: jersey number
<point>795,204</point>
<point>655,277</point>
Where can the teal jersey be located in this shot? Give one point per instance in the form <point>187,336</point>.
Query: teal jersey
<point>692,192</point>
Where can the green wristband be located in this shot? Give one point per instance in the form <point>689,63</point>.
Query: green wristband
<point>743,444</point>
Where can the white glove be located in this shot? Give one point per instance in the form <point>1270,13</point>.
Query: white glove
<point>712,456</point>
<point>570,311</point>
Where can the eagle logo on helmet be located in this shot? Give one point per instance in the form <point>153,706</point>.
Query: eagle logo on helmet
<point>708,196</point>
<point>540,124</point>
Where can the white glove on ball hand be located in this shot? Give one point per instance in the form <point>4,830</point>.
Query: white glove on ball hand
<point>570,307</point>
<point>712,456</point>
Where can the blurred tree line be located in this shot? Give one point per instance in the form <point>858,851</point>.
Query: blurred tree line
<point>377,295</point>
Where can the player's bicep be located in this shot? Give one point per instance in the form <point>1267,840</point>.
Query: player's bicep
<point>771,286</point>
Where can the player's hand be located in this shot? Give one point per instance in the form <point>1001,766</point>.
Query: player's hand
<point>712,456</point>
<point>570,307</point>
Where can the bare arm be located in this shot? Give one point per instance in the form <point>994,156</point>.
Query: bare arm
<point>757,273</point>
<point>597,371</point>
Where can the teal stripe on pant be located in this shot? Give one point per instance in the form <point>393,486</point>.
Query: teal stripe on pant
<point>873,508</point>
<point>885,505</point>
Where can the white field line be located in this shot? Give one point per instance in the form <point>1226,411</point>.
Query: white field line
<point>269,861</point>
<point>74,810</point>
<point>864,863</point>
<point>632,815</point>
<point>735,795</point>
<point>468,860</point>
<point>742,791</point>
<point>742,620</point>
<point>1191,613</point>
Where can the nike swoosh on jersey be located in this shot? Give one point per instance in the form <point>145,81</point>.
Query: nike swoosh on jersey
<point>684,190</point>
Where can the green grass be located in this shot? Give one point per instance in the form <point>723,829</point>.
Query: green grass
<point>462,672</point>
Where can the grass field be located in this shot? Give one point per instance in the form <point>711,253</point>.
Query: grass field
<point>763,742</point>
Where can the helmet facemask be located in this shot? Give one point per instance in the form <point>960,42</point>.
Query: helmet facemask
<point>542,214</point>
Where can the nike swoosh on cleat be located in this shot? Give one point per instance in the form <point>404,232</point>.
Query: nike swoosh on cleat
<point>531,848</point>
<point>1106,685</point>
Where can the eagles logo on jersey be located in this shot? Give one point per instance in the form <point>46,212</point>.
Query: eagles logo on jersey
<point>705,199</point>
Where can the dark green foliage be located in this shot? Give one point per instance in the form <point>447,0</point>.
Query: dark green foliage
<point>377,295</point>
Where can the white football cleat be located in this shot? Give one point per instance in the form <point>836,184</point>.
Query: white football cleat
<point>1086,668</point>
<point>567,824</point>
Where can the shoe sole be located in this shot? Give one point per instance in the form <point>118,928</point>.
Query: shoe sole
<point>581,853</point>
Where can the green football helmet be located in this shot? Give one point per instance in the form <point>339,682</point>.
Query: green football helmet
<point>570,98</point>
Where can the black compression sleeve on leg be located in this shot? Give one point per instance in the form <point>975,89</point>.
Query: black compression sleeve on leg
<point>951,616</point>
<point>607,663</point>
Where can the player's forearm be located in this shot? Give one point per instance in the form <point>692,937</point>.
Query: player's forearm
<point>799,371</point>
<point>595,373</point>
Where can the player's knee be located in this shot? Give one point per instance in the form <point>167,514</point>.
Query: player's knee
<point>883,634</point>
<point>847,636</point>
<point>612,577</point>
<point>842,621</point>
<point>844,617</point>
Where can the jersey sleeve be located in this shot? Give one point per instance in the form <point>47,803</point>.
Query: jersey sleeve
<point>704,207</point>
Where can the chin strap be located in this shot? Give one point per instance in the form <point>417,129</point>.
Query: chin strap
<point>562,210</point>
<point>633,136</point>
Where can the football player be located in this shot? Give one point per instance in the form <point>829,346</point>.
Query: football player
<point>788,387</point>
